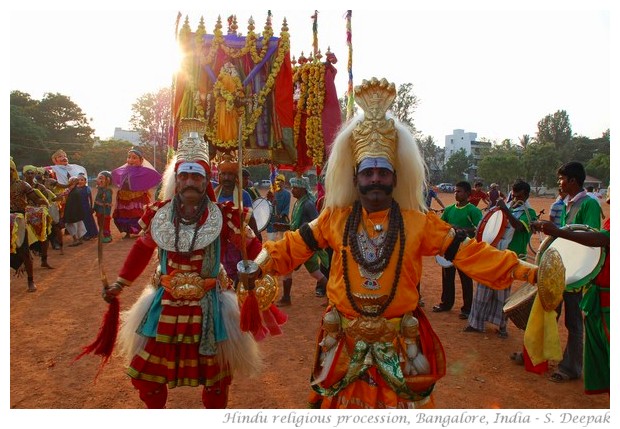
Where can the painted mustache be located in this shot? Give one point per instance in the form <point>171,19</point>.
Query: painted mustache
<point>376,187</point>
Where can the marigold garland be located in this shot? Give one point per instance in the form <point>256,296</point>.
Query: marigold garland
<point>258,99</point>
<point>311,80</point>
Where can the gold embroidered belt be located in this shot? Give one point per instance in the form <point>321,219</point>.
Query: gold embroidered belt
<point>186,285</point>
<point>372,329</point>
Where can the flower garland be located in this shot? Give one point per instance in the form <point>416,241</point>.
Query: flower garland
<point>218,43</point>
<point>220,91</point>
<point>311,79</point>
<point>260,98</point>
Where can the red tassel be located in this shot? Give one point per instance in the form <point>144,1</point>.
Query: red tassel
<point>280,316</point>
<point>250,314</point>
<point>106,338</point>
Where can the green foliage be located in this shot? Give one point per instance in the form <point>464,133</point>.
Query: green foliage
<point>555,129</point>
<point>107,155</point>
<point>151,116</point>
<point>433,158</point>
<point>457,166</point>
<point>599,166</point>
<point>39,128</point>
<point>541,163</point>
<point>405,104</point>
<point>501,164</point>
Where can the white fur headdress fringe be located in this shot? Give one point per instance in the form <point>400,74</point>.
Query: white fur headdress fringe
<point>130,342</point>
<point>240,351</point>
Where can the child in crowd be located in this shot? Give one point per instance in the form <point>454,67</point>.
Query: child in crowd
<point>86,196</point>
<point>103,204</point>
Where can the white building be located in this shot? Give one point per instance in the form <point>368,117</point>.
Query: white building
<point>458,140</point>
<point>131,136</point>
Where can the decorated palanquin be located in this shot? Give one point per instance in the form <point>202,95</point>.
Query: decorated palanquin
<point>286,112</point>
<point>237,84</point>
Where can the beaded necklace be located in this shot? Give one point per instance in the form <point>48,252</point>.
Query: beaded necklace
<point>396,230</point>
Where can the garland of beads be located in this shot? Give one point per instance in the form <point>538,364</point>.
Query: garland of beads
<point>380,263</point>
<point>398,229</point>
<point>178,220</point>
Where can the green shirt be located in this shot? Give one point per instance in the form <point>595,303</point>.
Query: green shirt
<point>588,213</point>
<point>520,239</point>
<point>468,216</point>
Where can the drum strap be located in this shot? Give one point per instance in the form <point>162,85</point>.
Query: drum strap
<point>459,236</point>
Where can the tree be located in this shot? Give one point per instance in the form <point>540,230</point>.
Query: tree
<point>151,117</point>
<point>555,129</point>
<point>106,156</point>
<point>525,140</point>
<point>458,166</point>
<point>541,162</point>
<point>433,158</point>
<point>405,104</point>
<point>501,164</point>
<point>27,139</point>
<point>599,166</point>
<point>42,127</point>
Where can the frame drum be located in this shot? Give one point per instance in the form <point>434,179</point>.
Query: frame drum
<point>492,226</point>
<point>262,210</point>
<point>18,231</point>
<point>582,263</point>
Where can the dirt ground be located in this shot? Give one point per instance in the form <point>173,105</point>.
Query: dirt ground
<point>48,329</point>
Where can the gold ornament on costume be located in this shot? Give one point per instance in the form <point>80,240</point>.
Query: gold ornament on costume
<point>193,146</point>
<point>375,136</point>
<point>266,290</point>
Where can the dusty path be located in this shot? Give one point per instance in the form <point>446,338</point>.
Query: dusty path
<point>49,328</point>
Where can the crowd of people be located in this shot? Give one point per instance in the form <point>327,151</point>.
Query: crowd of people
<point>363,245</point>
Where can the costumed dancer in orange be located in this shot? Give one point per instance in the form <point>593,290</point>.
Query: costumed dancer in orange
<point>184,330</point>
<point>134,180</point>
<point>376,348</point>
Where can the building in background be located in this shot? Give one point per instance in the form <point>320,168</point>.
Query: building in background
<point>458,140</point>
<point>131,136</point>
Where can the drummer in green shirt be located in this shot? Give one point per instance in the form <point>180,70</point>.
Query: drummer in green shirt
<point>461,215</point>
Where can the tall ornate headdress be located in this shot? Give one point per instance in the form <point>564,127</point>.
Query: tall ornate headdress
<point>375,136</point>
<point>192,146</point>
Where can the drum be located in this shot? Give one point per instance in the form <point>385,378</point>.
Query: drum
<point>262,210</point>
<point>18,231</point>
<point>582,263</point>
<point>54,212</point>
<point>443,261</point>
<point>519,304</point>
<point>492,226</point>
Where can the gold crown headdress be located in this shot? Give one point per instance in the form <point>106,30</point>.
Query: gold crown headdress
<point>192,146</point>
<point>375,136</point>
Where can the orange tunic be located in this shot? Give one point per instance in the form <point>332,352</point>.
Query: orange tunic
<point>382,383</point>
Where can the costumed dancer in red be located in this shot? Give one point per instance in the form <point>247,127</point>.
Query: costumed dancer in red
<point>184,330</point>
<point>134,180</point>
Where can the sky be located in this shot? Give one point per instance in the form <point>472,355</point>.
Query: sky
<point>495,72</point>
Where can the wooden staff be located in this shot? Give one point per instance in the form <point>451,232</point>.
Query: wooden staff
<point>244,250</point>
